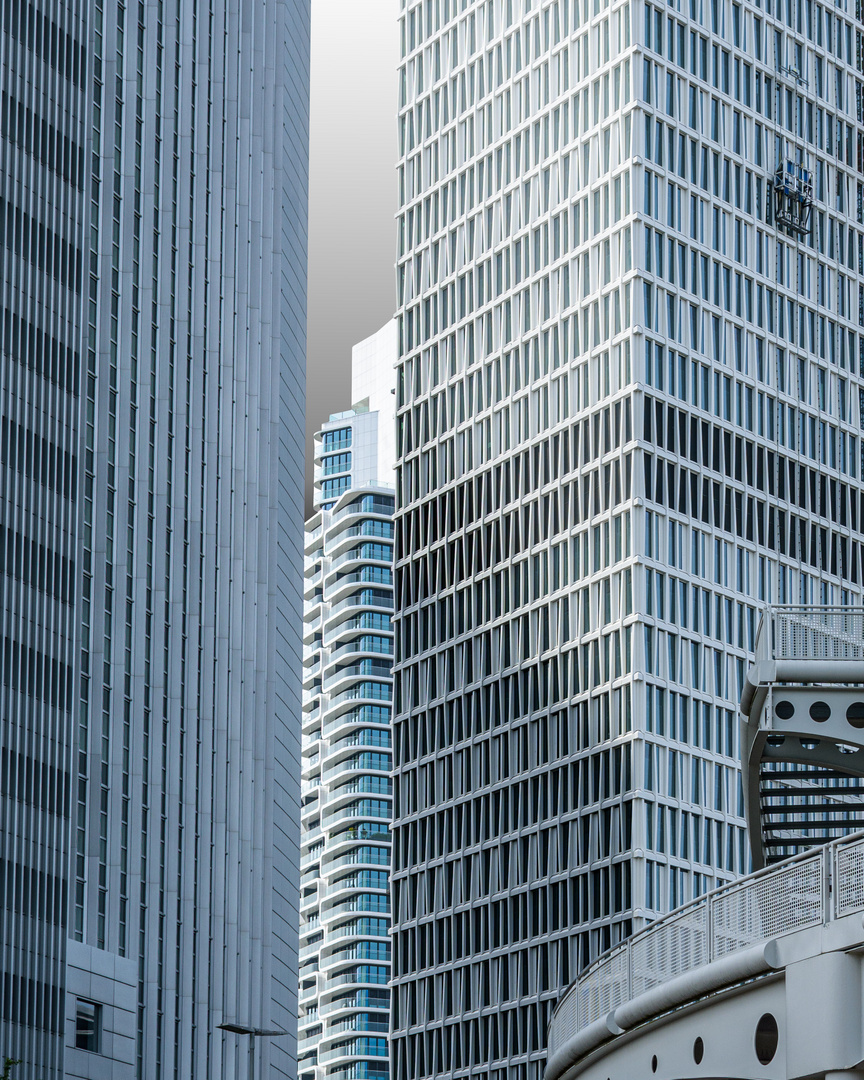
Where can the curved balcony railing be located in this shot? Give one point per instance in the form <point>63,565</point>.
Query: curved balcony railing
<point>311,856</point>
<point>357,1023</point>
<point>367,620</point>
<point>358,763</point>
<point>808,890</point>
<point>371,552</point>
<point>363,714</point>
<point>372,904</point>
<point>370,669</point>
<point>369,575</point>
<point>811,633</point>
<point>363,879</point>
<point>375,737</point>
<point>365,998</point>
<point>364,856</point>
<point>368,643</point>
<point>364,785</point>
<point>368,598</point>
<point>366,975</point>
<point>357,1048</point>
<point>375,527</point>
<point>383,812</point>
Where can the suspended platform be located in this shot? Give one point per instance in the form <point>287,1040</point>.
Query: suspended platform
<point>793,198</point>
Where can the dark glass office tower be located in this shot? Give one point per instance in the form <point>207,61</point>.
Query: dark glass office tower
<point>186,771</point>
<point>42,169</point>
<point>154,212</point>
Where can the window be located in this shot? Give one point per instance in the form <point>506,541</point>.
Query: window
<point>336,440</point>
<point>332,489</point>
<point>88,1026</point>
<point>336,463</point>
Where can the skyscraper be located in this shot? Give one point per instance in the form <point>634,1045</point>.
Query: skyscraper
<point>626,416</point>
<point>42,165</point>
<point>348,681</point>
<point>157,202</point>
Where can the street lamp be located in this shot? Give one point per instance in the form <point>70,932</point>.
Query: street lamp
<point>253,1033</point>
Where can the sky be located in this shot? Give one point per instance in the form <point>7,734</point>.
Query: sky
<point>352,194</point>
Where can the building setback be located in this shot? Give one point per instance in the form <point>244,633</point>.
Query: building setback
<point>160,151</point>
<point>347,703</point>
<point>627,416</point>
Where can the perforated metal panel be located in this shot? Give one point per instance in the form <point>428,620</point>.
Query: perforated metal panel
<point>764,907</point>
<point>849,879</point>
<point>818,634</point>
<point>669,948</point>
<point>604,987</point>
<point>567,1020</point>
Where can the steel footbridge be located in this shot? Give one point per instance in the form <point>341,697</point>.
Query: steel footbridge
<point>763,977</point>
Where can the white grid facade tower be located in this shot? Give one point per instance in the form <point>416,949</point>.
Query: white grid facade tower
<point>627,414</point>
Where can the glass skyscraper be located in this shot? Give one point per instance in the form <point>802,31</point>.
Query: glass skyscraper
<point>347,702</point>
<point>627,416</point>
<point>153,360</point>
<point>43,70</point>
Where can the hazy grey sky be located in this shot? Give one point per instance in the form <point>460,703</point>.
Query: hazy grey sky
<point>352,192</point>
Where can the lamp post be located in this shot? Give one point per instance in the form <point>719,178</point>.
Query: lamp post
<point>253,1033</point>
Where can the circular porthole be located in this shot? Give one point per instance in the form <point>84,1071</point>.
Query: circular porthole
<point>776,740</point>
<point>820,711</point>
<point>698,1051</point>
<point>809,744</point>
<point>767,1037</point>
<point>784,709</point>
<point>855,714</point>
<point>654,1063</point>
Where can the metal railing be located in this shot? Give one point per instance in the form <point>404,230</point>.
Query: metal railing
<point>367,643</point>
<point>356,1048</point>
<point>811,633</point>
<point>810,889</point>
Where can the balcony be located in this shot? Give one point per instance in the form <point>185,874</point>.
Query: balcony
<point>365,669</point>
<point>359,928</point>
<point>364,644</point>
<point>385,814</point>
<point>376,856</point>
<point>369,575</point>
<point>356,1048</point>
<point>363,999</point>
<point>369,598</point>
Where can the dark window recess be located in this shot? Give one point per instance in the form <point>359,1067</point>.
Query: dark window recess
<point>28,671</point>
<point>88,1024</point>
<point>32,1004</point>
<point>37,458</point>
<point>36,565</point>
<point>35,243</point>
<point>25,343</point>
<point>33,782</point>
<point>43,36</point>
<point>31,892</point>
<point>42,141</point>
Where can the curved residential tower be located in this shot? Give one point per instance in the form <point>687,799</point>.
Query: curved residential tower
<point>347,802</point>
